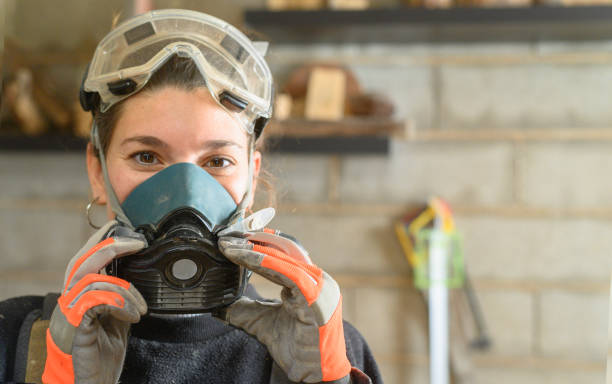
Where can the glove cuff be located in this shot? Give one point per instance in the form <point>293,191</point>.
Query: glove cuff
<point>58,367</point>
<point>334,363</point>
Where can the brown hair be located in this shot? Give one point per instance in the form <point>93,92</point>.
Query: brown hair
<point>182,73</point>
<point>179,72</point>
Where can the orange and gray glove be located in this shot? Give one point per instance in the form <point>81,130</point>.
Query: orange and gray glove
<point>88,331</point>
<point>303,332</point>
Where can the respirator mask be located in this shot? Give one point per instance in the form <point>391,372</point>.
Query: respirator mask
<point>179,210</point>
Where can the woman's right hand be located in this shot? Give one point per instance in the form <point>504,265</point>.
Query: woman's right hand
<point>87,335</point>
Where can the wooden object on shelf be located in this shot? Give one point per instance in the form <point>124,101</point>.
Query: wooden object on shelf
<point>42,92</point>
<point>443,4</point>
<point>21,103</point>
<point>349,127</point>
<point>297,107</point>
<point>308,4</point>
<point>282,106</point>
<point>277,5</point>
<point>297,83</point>
<point>357,103</point>
<point>370,105</point>
<point>81,121</point>
<point>56,111</point>
<point>574,3</point>
<point>356,5</point>
<point>495,3</point>
<point>304,5</point>
<point>326,94</point>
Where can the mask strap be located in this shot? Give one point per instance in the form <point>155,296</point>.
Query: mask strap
<point>244,204</point>
<point>110,192</point>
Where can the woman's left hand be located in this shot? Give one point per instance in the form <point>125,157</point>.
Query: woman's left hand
<point>304,332</point>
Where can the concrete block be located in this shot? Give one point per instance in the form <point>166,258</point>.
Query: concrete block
<point>296,178</point>
<point>393,321</point>
<point>514,248</point>
<point>508,375</point>
<point>510,319</point>
<point>399,373</point>
<point>12,288</point>
<point>346,244</point>
<point>525,96</point>
<point>482,49</point>
<point>572,47</point>
<point>565,175</point>
<point>42,238</point>
<point>39,24</point>
<point>417,171</point>
<point>410,88</point>
<point>49,175</point>
<point>574,325</point>
<point>350,304</point>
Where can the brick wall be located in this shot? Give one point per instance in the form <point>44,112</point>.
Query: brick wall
<point>517,137</point>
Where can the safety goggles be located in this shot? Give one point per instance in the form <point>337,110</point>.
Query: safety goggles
<point>234,69</point>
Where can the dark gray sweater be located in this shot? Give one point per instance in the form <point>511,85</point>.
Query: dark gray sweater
<point>186,349</point>
<point>202,349</point>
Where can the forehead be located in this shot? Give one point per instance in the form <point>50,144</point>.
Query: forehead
<point>178,117</point>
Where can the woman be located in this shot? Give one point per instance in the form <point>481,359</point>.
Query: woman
<point>179,99</point>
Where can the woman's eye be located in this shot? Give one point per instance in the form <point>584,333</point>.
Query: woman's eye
<point>217,162</point>
<point>146,158</point>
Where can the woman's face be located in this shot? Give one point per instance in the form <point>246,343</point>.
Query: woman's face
<point>168,126</point>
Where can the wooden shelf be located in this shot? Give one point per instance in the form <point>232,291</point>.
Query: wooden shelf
<point>346,127</point>
<point>460,24</point>
<point>47,143</point>
<point>341,145</point>
<point>349,136</point>
<point>289,136</point>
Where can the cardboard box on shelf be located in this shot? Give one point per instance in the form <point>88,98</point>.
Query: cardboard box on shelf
<point>326,94</point>
<point>281,5</point>
<point>349,4</point>
<point>282,106</point>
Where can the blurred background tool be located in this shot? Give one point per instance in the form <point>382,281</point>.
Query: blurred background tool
<point>433,248</point>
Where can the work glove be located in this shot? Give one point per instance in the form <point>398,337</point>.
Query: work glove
<point>88,331</point>
<point>303,332</point>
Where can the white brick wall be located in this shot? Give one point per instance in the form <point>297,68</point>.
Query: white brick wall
<point>537,376</point>
<point>525,96</point>
<point>345,244</point>
<point>547,249</point>
<point>574,325</point>
<point>510,321</point>
<point>576,174</point>
<point>414,171</point>
<point>392,320</point>
<point>299,178</point>
<point>43,175</point>
<point>40,238</point>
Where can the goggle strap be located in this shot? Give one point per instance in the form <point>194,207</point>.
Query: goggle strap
<point>88,100</point>
<point>261,47</point>
<point>110,192</point>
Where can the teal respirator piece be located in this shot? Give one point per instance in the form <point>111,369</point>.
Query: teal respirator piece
<point>179,210</point>
<point>179,186</point>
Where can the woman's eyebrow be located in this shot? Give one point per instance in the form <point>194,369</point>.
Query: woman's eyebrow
<point>218,144</point>
<point>146,140</point>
